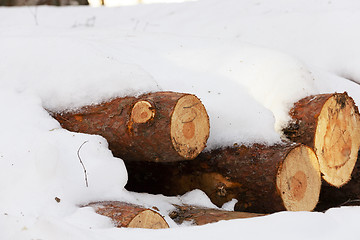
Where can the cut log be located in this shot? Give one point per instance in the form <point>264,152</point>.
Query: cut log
<point>130,216</point>
<point>159,127</point>
<point>347,195</point>
<point>329,123</point>
<point>201,216</point>
<point>263,179</point>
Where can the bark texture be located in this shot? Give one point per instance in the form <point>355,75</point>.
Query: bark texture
<point>263,179</point>
<point>328,123</point>
<point>201,216</point>
<point>128,215</point>
<point>162,126</point>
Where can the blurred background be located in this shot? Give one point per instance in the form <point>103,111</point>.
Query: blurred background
<point>94,3</point>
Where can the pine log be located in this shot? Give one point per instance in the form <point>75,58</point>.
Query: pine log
<point>264,179</point>
<point>159,127</point>
<point>202,216</point>
<point>328,123</point>
<point>347,195</point>
<point>128,215</point>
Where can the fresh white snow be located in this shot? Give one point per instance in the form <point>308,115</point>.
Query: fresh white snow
<point>247,61</point>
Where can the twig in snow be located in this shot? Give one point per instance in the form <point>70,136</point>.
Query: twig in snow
<point>78,153</point>
<point>34,14</point>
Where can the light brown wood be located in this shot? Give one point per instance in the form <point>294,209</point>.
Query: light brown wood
<point>337,140</point>
<point>329,123</point>
<point>189,126</point>
<point>200,216</point>
<point>299,180</point>
<point>142,112</point>
<point>130,216</point>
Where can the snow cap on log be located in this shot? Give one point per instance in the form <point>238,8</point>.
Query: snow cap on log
<point>158,127</point>
<point>330,124</point>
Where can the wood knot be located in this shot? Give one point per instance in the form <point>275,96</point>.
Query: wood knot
<point>221,190</point>
<point>341,100</point>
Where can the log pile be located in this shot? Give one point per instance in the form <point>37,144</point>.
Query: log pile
<point>328,123</point>
<point>161,136</point>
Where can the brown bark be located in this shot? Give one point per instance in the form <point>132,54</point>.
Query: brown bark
<point>162,126</point>
<point>328,123</point>
<point>264,179</point>
<point>128,215</point>
<point>201,216</point>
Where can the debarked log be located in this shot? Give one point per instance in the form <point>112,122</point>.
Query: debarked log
<point>328,123</point>
<point>264,179</point>
<point>129,215</point>
<point>200,215</point>
<point>159,127</point>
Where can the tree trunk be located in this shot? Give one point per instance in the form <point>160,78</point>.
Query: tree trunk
<point>130,216</point>
<point>329,123</point>
<point>201,216</point>
<point>264,179</point>
<point>159,127</point>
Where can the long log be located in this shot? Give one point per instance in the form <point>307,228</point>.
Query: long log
<point>202,216</point>
<point>329,123</point>
<point>264,179</point>
<point>128,215</point>
<point>159,127</point>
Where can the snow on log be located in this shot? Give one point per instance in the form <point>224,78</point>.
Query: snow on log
<point>264,179</point>
<point>159,127</point>
<point>130,216</point>
<point>329,123</point>
<point>201,216</point>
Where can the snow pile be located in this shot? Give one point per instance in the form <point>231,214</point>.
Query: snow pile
<point>247,61</point>
<point>67,74</point>
<point>40,172</point>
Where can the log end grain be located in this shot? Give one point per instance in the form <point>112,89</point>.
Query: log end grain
<point>148,219</point>
<point>142,112</point>
<point>190,127</point>
<point>337,139</point>
<point>298,180</point>
<point>130,216</point>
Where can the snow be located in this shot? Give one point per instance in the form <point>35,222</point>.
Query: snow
<point>247,61</point>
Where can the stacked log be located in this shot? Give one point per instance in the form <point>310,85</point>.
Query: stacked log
<point>158,127</point>
<point>328,123</point>
<point>202,216</point>
<point>264,179</point>
<point>157,132</point>
<point>129,215</point>
<point>125,215</point>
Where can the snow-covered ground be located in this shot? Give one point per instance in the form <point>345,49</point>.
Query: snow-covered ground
<point>248,61</point>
